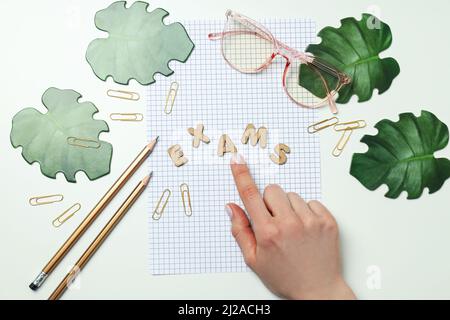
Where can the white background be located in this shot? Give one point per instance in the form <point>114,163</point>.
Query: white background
<point>43,45</point>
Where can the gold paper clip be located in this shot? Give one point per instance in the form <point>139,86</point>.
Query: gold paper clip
<point>131,117</point>
<point>171,96</point>
<point>159,210</point>
<point>186,197</point>
<point>358,124</point>
<point>66,215</point>
<point>83,143</point>
<point>125,95</point>
<point>342,142</point>
<point>39,201</point>
<point>316,127</point>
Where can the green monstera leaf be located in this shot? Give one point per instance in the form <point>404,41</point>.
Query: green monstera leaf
<point>139,44</point>
<point>401,156</point>
<point>354,48</point>
<point>49,138</point>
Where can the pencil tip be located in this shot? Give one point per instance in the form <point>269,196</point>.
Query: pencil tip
<point>153,142</point>
<point>147,179</point>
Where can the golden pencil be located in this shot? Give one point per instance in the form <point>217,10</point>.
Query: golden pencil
<point>99,207</point>
<point>101,237</point>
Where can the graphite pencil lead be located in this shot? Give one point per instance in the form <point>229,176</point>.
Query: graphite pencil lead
<point>152,143</point>
<point>146,180</point>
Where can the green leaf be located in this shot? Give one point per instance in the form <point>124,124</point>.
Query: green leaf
<point>354,48</point>
<point>139,44</point>
<point>43,137</point>
<point>401,156</point>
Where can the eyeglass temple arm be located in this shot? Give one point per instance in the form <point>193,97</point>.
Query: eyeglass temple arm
<point>215,36</point>
<point>343,78</point>
<point>329,93</point>
<point>332,103</point>
<point>220,35</point>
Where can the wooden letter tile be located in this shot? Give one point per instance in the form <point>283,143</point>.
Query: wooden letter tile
<point>226,145</point>
<point>280,158</point>
<point>177,155</point>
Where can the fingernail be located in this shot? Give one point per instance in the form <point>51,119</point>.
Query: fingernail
<point>229,211</point>
<point>237,159</point>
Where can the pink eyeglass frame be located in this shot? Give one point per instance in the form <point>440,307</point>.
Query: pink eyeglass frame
<point>290,54</point>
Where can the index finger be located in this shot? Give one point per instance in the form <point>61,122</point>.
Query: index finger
<point>250,195</point>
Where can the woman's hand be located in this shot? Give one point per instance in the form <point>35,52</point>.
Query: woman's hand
<point>292,245</point>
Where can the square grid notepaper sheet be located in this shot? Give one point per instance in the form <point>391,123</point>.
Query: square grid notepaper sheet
<point>225,102</point>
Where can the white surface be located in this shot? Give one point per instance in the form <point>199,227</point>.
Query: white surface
<point>225,102</point>
<point>43,44</point>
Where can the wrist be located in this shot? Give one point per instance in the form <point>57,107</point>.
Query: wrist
<point>335,290</point>
<point>342,291</point>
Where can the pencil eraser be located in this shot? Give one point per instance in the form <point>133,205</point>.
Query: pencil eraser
<point>33,287</point>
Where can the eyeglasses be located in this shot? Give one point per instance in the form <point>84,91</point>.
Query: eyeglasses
<point>249,47</point>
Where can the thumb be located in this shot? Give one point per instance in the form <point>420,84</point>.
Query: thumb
<point>242,232</point>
